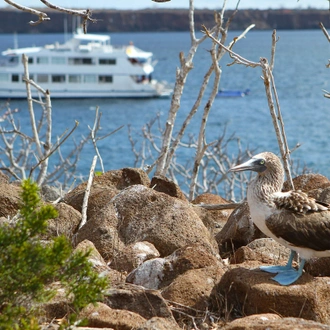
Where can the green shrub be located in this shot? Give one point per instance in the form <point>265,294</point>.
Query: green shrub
<point>27,265</point>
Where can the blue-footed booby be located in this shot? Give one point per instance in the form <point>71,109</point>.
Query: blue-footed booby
<point>291,218</point>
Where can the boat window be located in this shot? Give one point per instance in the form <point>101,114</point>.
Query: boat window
<point>4,77</point>
<point>81,61</point>
<point>105,79</point>
<point>42,78</point>
<point>13,60</point>
<point>42,60</point>
<point>58,78</point>
<point>58,60</point>
<point>107,61</point>
<point>90,78</point>
<point>30,60</point>
<point>15,78</point>
<point>74,78</point>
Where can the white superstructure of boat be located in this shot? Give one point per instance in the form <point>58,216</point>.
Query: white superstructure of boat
<point>85,66</point>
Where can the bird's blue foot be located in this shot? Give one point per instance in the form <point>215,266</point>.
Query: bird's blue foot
<point>290,276</point>
<point>276,269</point>
<point>279,269</point>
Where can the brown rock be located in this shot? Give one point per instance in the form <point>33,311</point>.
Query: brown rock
<point>265,250</point>
<point>193,288</point>
<point>250,291</point>
<point>3,178</point>
<point>321,194</point>
<point>150,274</point>
<point>238,231</point>
<point>50,193</point>
<point>99,197</point>
<point>193,256</point>
<point>99,265</point>
<point>10,198</point>
<point>65,224</point>
<point>307,182</point>
<point>166,186</point>
<point>105,187</point>
<point>159,323</point>
<point>102,315</point>
<point>273,322</point>
<point>252,322</point>
<point>160,272</point>
<point>318,266</point>
<point>101,230</point>
<point>59,306</point>
<point>214,220</point>
<point>167,222</point>
<point>133,255</point>
<point>147,303</point>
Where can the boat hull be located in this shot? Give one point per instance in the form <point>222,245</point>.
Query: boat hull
<point>63,94</point>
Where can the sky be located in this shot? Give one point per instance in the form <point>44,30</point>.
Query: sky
<point>199,4</point>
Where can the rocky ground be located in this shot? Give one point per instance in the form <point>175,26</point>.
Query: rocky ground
<point>175,265</point>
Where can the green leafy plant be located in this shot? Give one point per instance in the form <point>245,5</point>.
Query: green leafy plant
<point>28,265</point>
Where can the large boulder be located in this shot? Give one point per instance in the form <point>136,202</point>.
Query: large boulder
<point>307,182</point>
<point>158,273</point>
<point>102,231</point>
<point>65,224</point>
<point>104,187</point>
<point>147,303</point>
<point>193,288</point>
<point>167,222</point>
<point>251,291</point>
<point>102,316</point>
<point>264,250</point>
<point>162,184</point>
<point>133,255</point>
<point>273,322</point>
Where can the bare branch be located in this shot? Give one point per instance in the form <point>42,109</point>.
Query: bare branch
<point>324,31</point>
<point>42,16</point>
<point>277,118</point>
<point>56,147</point>
<point>218,206</point>
<point>30,106</point>
<point>87,192</point>
<point>272,57</point>
<point>237,58</point>
<point>85,14</point>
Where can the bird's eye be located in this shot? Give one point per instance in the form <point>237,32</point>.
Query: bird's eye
<point>262,162</point>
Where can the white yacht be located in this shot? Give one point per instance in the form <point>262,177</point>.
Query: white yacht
<point>85,66</point>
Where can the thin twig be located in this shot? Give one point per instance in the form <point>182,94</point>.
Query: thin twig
<point>277,118</point>
<point>272,56</point>
<point>42,16</point>
<point>87,192</point>
<point>218,206</point>
<point>30,106</point>
<point>85,14</point>
<point>324,31</point>
<point>237,58</point>
<point>58,144</point>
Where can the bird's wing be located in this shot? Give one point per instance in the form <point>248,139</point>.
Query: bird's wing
<point>310,230</point>
<point>297,201</point>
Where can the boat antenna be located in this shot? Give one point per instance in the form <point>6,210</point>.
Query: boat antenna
<point>65,29</point>
<point>15,40</point>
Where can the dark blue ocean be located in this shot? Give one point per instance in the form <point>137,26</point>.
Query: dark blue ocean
<point>300,76</point>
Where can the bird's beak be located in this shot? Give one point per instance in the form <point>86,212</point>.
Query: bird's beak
<point>250,165</point>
